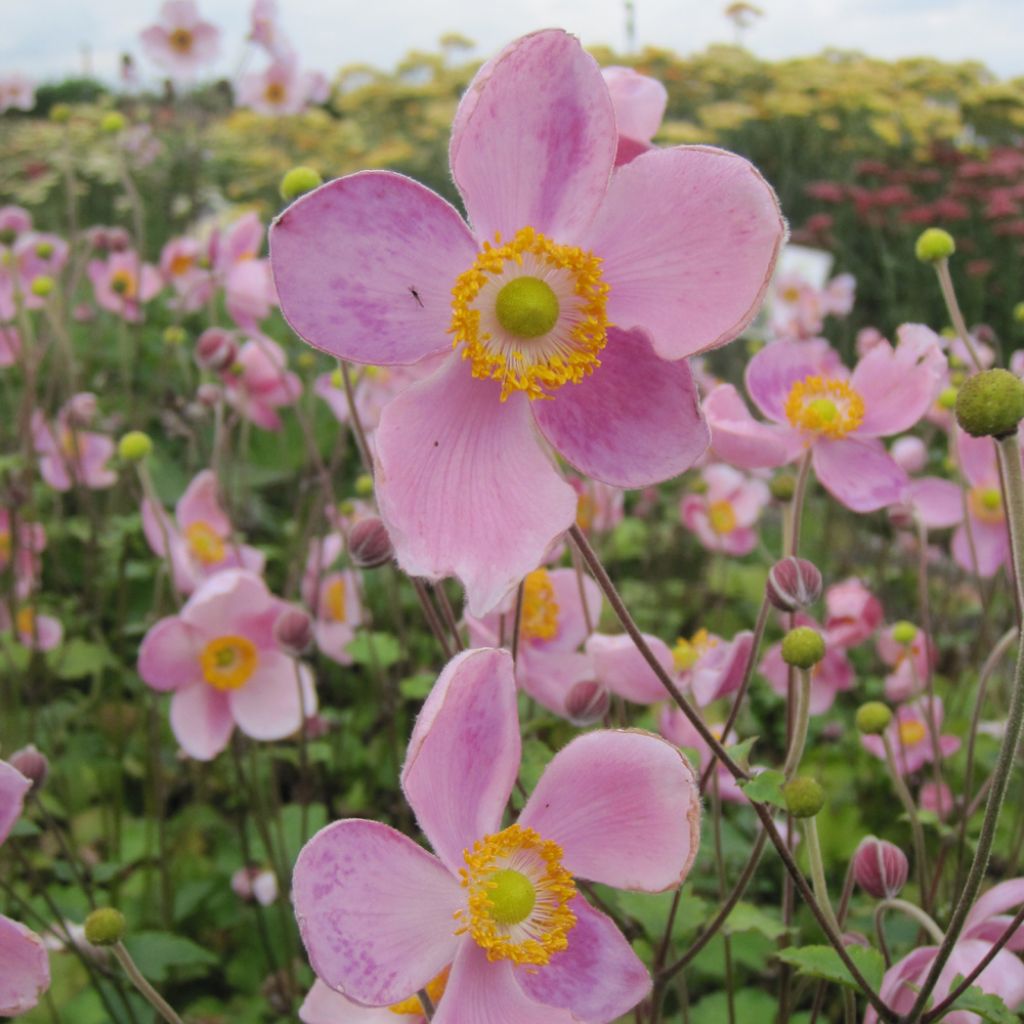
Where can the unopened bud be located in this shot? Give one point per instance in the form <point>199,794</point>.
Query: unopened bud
<point>208,394</point>
<point>175,335</point>
<point>1018,313</point>
<point>44,250</point>
<point>803,647</point>
<point>804,796</point>
<point>873,718</point>
<point>42,286</point>
<point>904,632</point>
<point>901,516</point>
<point>32,764</point>
<point>134,446</point>
<point>793,583</point>
<point>783,487</point>
<point>933,245</point>
<point>298,181</point>
<point>990,404</point>
<point>364,485</point>
<point>586,703</point>
<point>369,545</point>
<point>216,350</point>
<point>293,631</point>
<point>112,123</point>
<point>880,868</point>
<point>105,927</point>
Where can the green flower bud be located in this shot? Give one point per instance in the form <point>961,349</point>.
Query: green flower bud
<point>804,796</point>
<point>298,181</point>
<point>1018,313</point>
<point>803,647</point>
<point>934,245</point>
<point>174,335</point>
<point>306,360</point>
<point>904,632</point>
<point>105,927</point>
<point>337,380</point>
<point>947,398</point>
<point>134,446</point>
<point>364,485</point>
<point>990,404</point>
<point>783,487</point>
<point>44,250</point>
<point>42,286</point>
<point>113,123</point>
<point>60,113</point>
<point>873,718</point>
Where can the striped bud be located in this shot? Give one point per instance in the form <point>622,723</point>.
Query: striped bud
<point>793,584</point>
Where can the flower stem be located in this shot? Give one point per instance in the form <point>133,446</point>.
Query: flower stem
<point>955,315</point>
<point>149,993</point>
<point>924,920</point>
<point>800,724</point>
<point>916,831</point>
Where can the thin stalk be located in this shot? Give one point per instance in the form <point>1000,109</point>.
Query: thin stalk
<point>517,622</point>
<point>791,543</point>
<point>904,907</point>
<point>956,317</point>
<point>916,831</point>
<point>801,721</point>
<point>149,993</point>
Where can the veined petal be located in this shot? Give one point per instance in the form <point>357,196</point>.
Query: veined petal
<point>24,968</point>
<point>620,666</point>
<point>464,486</point>
<point>169,654</point>
<point>623,806</point>
<point>201,720</point>
<point>534,140</point>
<point>364,267</point>
<point>464,753</point>
<point>689,237</point>
<point>741,440</point>
<point>858,473</point>
<point>635,421</point>
<point>375,911</point>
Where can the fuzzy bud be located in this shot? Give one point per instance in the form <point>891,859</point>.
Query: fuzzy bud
<point>586,703</point>
<point>44,250</point>
<point>873,718</point>
<point>175,335</point>
<point>215,350</point>
<point>783,487</point>
<point>293,631</point>
<point>804,796</point>
<point>793,583</point>
<point>134,446</point>
<point>803,647</point>
<point>904,632</point>
<point>112,123</point>
<point>880,868</point>
<point>105,927</point>
<point>32,764</point>
<point>990,404</point>
<point>298,181</point>
<point>369,545</point>
<point>933,245</point>
<point>42,286</point>
<point>364,485</point>
<point>1018,313</point>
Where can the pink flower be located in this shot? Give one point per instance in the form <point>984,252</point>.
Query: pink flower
<point>639,103</point>
<point>24,964</point>
<point>937,799</point>
<point>799,309</point>
<point>675,248</point>
<point>17,92</point>
<point>259,383</point>
<point>986,519</point>
<point>814,403</point>
<point>831,676</point>
<point>677,729</point>
<point>381,917</point>
<point>552,628</point>
<point>38,255</point>
<point>280,89</point>
<point>723,516</point>
<point>181,263</point>
<point>263,27</point>
<point>709,667</point>
<point>333,598</point>
<point>10,345</point>
<point>599,507</point>
<point>323,1006</point>
<point>198,539</point>
<point>122,283</point>
<point>219,659</point>
<point>910,663</point>
<point>852,613</point>
<point>21,544</point>
<point>255,884</point>
<point>909,735</point>
<point>181,42</point>
<point>32,630</point>
<point>71,456</point>
<point>621,669</point>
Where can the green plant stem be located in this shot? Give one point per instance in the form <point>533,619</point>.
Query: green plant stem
<point>916,830</point>
<point>905,907</point>
<point>147,991</point>
<point>802,719</point>
<point>791,542</point>
<point>956,317</point>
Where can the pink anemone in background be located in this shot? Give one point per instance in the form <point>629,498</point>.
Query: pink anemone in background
<point>982,542</point>
<point>852,612</point>
<point>381,917</point>
<point>724,514</point>
<point>282,88</point>
<point>675,248</point>
<point>831,676</point>
<point>181,42</point>
<point>910,737</point>
<point>259,382</point>
<point>21,544</point>
<point>69,455</point>
<point>639,103</point>
<point>332,596</point>
<point>122,283</point>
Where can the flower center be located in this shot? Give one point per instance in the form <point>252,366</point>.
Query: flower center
<point>912,732</point>
<point>228,662</point>
<point>204,543</point>
<point>824,405</point>
<point>721,516</point>
<point>986,504</point>
<point>122,282</point>
<point>518,897</point>
<point>586,510</point>
<point>181,264</point>
<point>531,313</point>
<point>412,1007</point>
<point>25,621</point>
<point>274,92</point>
<point>180,40</point>
<point>5,546</point>
<point>69,445</point>
<point>334,600</point>
<point>687,653</point>
<point>539,619</point>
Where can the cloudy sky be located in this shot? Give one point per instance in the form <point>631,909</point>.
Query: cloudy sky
<point>49,38</point>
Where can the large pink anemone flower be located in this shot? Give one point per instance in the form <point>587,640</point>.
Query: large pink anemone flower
<point>571,298</point>
<point>381,917</point>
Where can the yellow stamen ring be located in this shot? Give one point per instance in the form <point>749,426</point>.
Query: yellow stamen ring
<point>824,405</point>
<point>204,543</point>
<point>412,1007</point>
<point>986,504</point>
<point>539,620</point>
<point>721,516</point>
<point>228,662</point>
<point>912,732</point>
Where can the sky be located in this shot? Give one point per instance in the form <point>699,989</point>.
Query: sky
<point>52,38</point>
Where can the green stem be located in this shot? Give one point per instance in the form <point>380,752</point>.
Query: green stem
<point>924,920</point>
<point>917,832</point>
<point>149,993</point>
<point>955,315</point>
<point>801,721</point>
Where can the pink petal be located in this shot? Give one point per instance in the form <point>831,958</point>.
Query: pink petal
<point>534,140</point>
<point>620,667</point>
<point>599,977</point>
<point>639,102</point>
<point>999,899</point>
<point>24,968</point>
<point>375,910</point>
<point>991,546</point>
<point>232,601</point>
<point>201,720</point>
<point>623,806</point>
<point>464,486</point>
<point>464,753</point>
<point>689,237</point>
<point>199,504</point>
<point>777,367</point>
<point>635,421</point>
<point>741,440</point>
<point>13,788</point>
<point>938,503</point>
<point>269,705</point>
<point>977,459</point>
<point>720,672</point>
<point>169,655</point>
<point>157,527</point>
<point>549,676</point>
<point>859,474</point>
<point>324,1006</point>
<point>364,267</point>
<point>481,992</point>
<point>571,629</point>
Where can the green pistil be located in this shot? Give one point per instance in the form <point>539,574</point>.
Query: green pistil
<point>527,307</point>
<point>512,895</point>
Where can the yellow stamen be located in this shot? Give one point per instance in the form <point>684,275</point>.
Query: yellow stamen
<point>517,908</point>
<point>180,264</point>
<point>586,509</point>
<point>274,92</point>
<point>986,504</point>
<point>205,544</point>
<point>229,661</point>
<point>521,359</point>
<point>540,609</point>
<point>122,282</point>
<point>25,621</point>
<point>334,600</point>
<point>5,546</point>
<point>686,653</point>
<point>412,1007</point>
<point>69,445</point>
<point>180,40</point>
<point>721,516</point>
<point>824,405</point>
<point>912,732</point>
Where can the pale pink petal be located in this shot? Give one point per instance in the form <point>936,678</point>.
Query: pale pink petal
<point>639,102</point>
<point>1003,977</point>
<point>623,806</point>
<point>199,504</point>
<point>548,677</point>
<point>270,706</point>
<point>991,547</point>
<point>635,421</point>
<point>464,486</point>
<point>999,899</point>
<point>859,474</point>
<point>324,1006</point>
<point>741,440</point>
<point>13,787</point>
<point>620,667</point>
<point>977,459</point>
<point>773,371</point>
<point>464,752</point>
<point>364,267</point>
<point>375,910</point>
<point>481,992</point>
<point>169,655</point>
<point>938,503</point>
<point>689,237</point>
<point>24,968</point>
<point>571,629</point>
<point>201,720</point>
<point>231,602</point>
<point>535,144</point>
<point>599,977</point>
<point>720,672</point>
<point>157,527</point>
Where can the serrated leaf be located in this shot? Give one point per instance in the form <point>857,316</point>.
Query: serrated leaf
<point>740,752</point>
<point>745,917</point>
<point>986,1005</point>
<point>374,649</point>
<point>823,962</point>
<point>766,788</point>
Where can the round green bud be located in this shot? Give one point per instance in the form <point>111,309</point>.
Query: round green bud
<point>60,113</point>
<point>105,927</point>
<point>337,380</point>
<point>42,286</point>
<point>947,398</point>
<point>1018,313</point>
<point>134,446</point>
<point>44,250</point>
<point>934,245</point>
<point>298,181</point>
<point>364,485</point>
<point>306,360</point>
<point>175,335</point>
<point>804,796</point>
<point>904,632</point>
<point>113,123</point>
<point>990,404</point>
<point>803,647</point>
<point>873,718</point>
<point>783,487</point>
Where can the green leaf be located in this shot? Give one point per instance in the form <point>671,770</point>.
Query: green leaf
<point>740,752</point>
<point>156,953</point>
<point>823,962</point>
<point>745,917</point>
<point>375,649</point>
<point>78,658</point>
<point>766,788</point>
<point>986,1005</point>
<point>418,686</point>
<point>749,1004</point>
